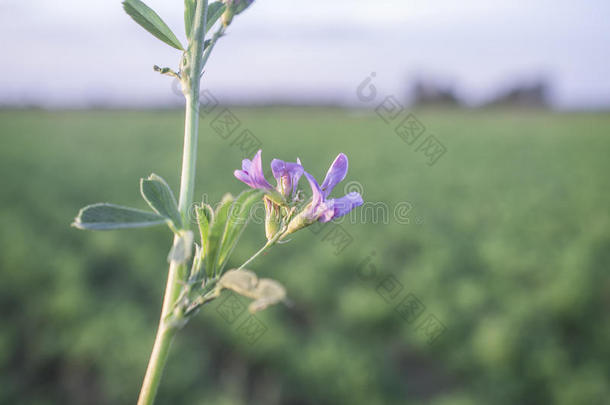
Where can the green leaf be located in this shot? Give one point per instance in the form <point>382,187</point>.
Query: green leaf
<point>265,291</point>
<point>101,217</point>
<point>205,216</point>
<point>215,11</point>
<point>159,196</point>
<point>151,22</point>
<point>220,231</point>
<point>215,236</point>
<point>236,224</point>
<point>189,14</point>
<point>242,5</point>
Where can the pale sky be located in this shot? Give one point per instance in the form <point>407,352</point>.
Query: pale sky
<point>78,53</point>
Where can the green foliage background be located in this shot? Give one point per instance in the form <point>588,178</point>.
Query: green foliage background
<point>508,245</point>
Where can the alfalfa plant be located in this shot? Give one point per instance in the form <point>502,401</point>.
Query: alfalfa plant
<point>196,274</point>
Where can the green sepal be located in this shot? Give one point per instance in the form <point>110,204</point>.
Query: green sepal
<point>159,196</point>
<point>151,22</point>
<point>276,197</point>
<point>103,216</point>
<point>273,218</point>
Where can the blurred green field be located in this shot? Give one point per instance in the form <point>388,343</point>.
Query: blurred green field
<point>507,244</point>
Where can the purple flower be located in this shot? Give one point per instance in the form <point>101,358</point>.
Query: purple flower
<point>287,175</point>
<point>321,208</point>
<point>252,173</point>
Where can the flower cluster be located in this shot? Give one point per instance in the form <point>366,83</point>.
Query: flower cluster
<point>285,211</point>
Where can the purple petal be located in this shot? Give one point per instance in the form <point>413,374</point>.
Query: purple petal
<point>281,168</point>
<point>345,204</point>
<point>287,175</point>
<point>279,171</point>
<point>243,176</point>
<point>296,175</point>
<point>246,165</point>
<point>256,173</point>
<point>278,168</point>
<point>335,174</point>
<point>296,171</point>
<point>317,196</point>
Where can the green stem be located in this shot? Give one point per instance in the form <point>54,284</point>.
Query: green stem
<point>189,154</point>
<point>163,340</point>
<point>192,65</point>
<point>267,245</point>
<point>215,37</point>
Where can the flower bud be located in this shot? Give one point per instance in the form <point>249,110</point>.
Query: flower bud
<point>234,7</point>
<point>273,218</point>
<point>227,16</point>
